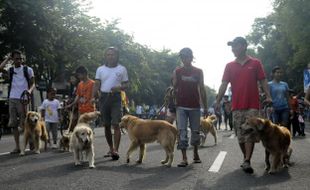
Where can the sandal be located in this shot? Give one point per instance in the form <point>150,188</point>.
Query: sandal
<point>197,161</point>
<point>115,156</point>
<point>15,151</point>
<point>183,164</point>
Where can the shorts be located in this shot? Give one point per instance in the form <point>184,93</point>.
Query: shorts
<point>110,106</point>
<point>241,131</point>
<point>17,112</point>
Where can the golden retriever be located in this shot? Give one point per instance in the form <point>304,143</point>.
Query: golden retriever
<point>146,131</point>
<point>82,139</point>
<point>206,126</point>
<point>276,140</point>
<point>35,129</point>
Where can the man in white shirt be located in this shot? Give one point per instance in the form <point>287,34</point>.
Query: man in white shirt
<point>19,84</point>
<point>111,78</point>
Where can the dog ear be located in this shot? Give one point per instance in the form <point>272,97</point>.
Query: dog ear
<point>261,124</point>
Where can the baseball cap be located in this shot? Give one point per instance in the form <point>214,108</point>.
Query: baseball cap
<point>238,40</point>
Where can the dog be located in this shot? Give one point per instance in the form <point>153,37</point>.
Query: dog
<point>142,131</point>
<point>276,139</point>
<point>206,126</point>
<point>34,128</point>
<point>82,139</point>
<point>64,141</point>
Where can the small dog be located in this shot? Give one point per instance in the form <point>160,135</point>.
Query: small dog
<point>65,141</point>
<point>206,126</point>
<point>276,140</point>
<point>146,131</point>
<point>82,139</point>
<point>35,129</point>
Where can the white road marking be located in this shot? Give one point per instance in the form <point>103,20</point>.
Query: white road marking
<point>218,162</point>
<point>6,153</point>
<point>232,136</point>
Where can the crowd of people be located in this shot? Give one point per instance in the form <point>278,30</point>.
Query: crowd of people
<point>187,100</point>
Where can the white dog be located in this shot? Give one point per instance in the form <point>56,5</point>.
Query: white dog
<point>82,139</point>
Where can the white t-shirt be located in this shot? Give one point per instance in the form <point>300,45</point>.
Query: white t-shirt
<point>19,82</point>
<point>111,77</point>
<point>51,110</point>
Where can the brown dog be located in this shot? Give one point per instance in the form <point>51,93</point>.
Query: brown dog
<point>64,141</point>
<point>34,128</point>
<point>276,140</point>
<point>146,131</point>
<point>207,126</point>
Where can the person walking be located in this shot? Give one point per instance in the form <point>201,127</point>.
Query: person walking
<point>189,88</point>
<point>50,112</point>
<point>243,74</point>
<point>279,91</point>
<point>227,112</point>
<point>110,79</point>
<point>21,82</point>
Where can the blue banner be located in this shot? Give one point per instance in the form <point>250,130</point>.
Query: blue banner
<point>306,79</point>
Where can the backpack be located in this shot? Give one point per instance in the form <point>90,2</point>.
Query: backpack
<point>11,73</point>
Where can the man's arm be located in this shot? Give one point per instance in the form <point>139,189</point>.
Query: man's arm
<point>265,88</point>
<point>203,94</point>
<point>220,95</point>
<point>4,62</point>
<point>95,90</point>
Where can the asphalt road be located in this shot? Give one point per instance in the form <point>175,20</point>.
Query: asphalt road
<point>220,168</point>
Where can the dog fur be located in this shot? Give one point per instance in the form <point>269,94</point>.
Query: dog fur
<point>64,141</point>
<point>276,140</point>
<point>35,129</point>
<point>207,126</point>
<point>146,131</point>
<point>82,139</point>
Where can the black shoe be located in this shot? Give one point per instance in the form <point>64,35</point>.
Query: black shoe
<point>246,166</point>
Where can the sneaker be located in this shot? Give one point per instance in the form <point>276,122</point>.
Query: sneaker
<point>54,146</point>
<point>246,166</point>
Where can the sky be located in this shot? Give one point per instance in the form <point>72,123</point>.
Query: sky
<point>205,26</point>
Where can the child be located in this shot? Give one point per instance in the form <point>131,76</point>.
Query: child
<point>83,92</point>
<point>50,114</point>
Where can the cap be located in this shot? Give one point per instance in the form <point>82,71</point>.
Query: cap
<point>238,40</point>
<point>186,51</point>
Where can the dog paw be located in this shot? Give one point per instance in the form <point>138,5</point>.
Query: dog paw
<point>37,152</point>
<point>91,166</point>
<point>128,160</point>
<point>168,165</point>
<point>139,161</point>
<point>22,154</point>
<point>78,163</point>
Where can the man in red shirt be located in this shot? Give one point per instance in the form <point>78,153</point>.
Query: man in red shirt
<point>189,90</point>
<point>243,74</point>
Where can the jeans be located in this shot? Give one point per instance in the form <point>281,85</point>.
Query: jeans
<point>183,117</point>
<point>281,116</point>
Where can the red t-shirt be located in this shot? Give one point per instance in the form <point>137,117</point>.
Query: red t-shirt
<point>243,80</point>
<point>187,87</point>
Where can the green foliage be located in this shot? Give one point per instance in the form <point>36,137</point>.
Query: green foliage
<point>283,37</point>
<point>58,35</point>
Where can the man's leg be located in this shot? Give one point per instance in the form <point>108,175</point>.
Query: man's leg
<point>108,136</point>
<point>117,137</point>
<point>183,139</point>
<point>249,147</point>
<point>16,138</point>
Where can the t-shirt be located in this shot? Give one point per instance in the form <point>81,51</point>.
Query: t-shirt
<point>243,79</point>
<point>51,110</point>
<point>84,91</point>
<point>278,92</point>
<point>19,82</point>
<point>187,94</point>
<point>111,77</point>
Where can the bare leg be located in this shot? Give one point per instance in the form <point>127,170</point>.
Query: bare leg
<point>108,136</point>
<point>117,137</point>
